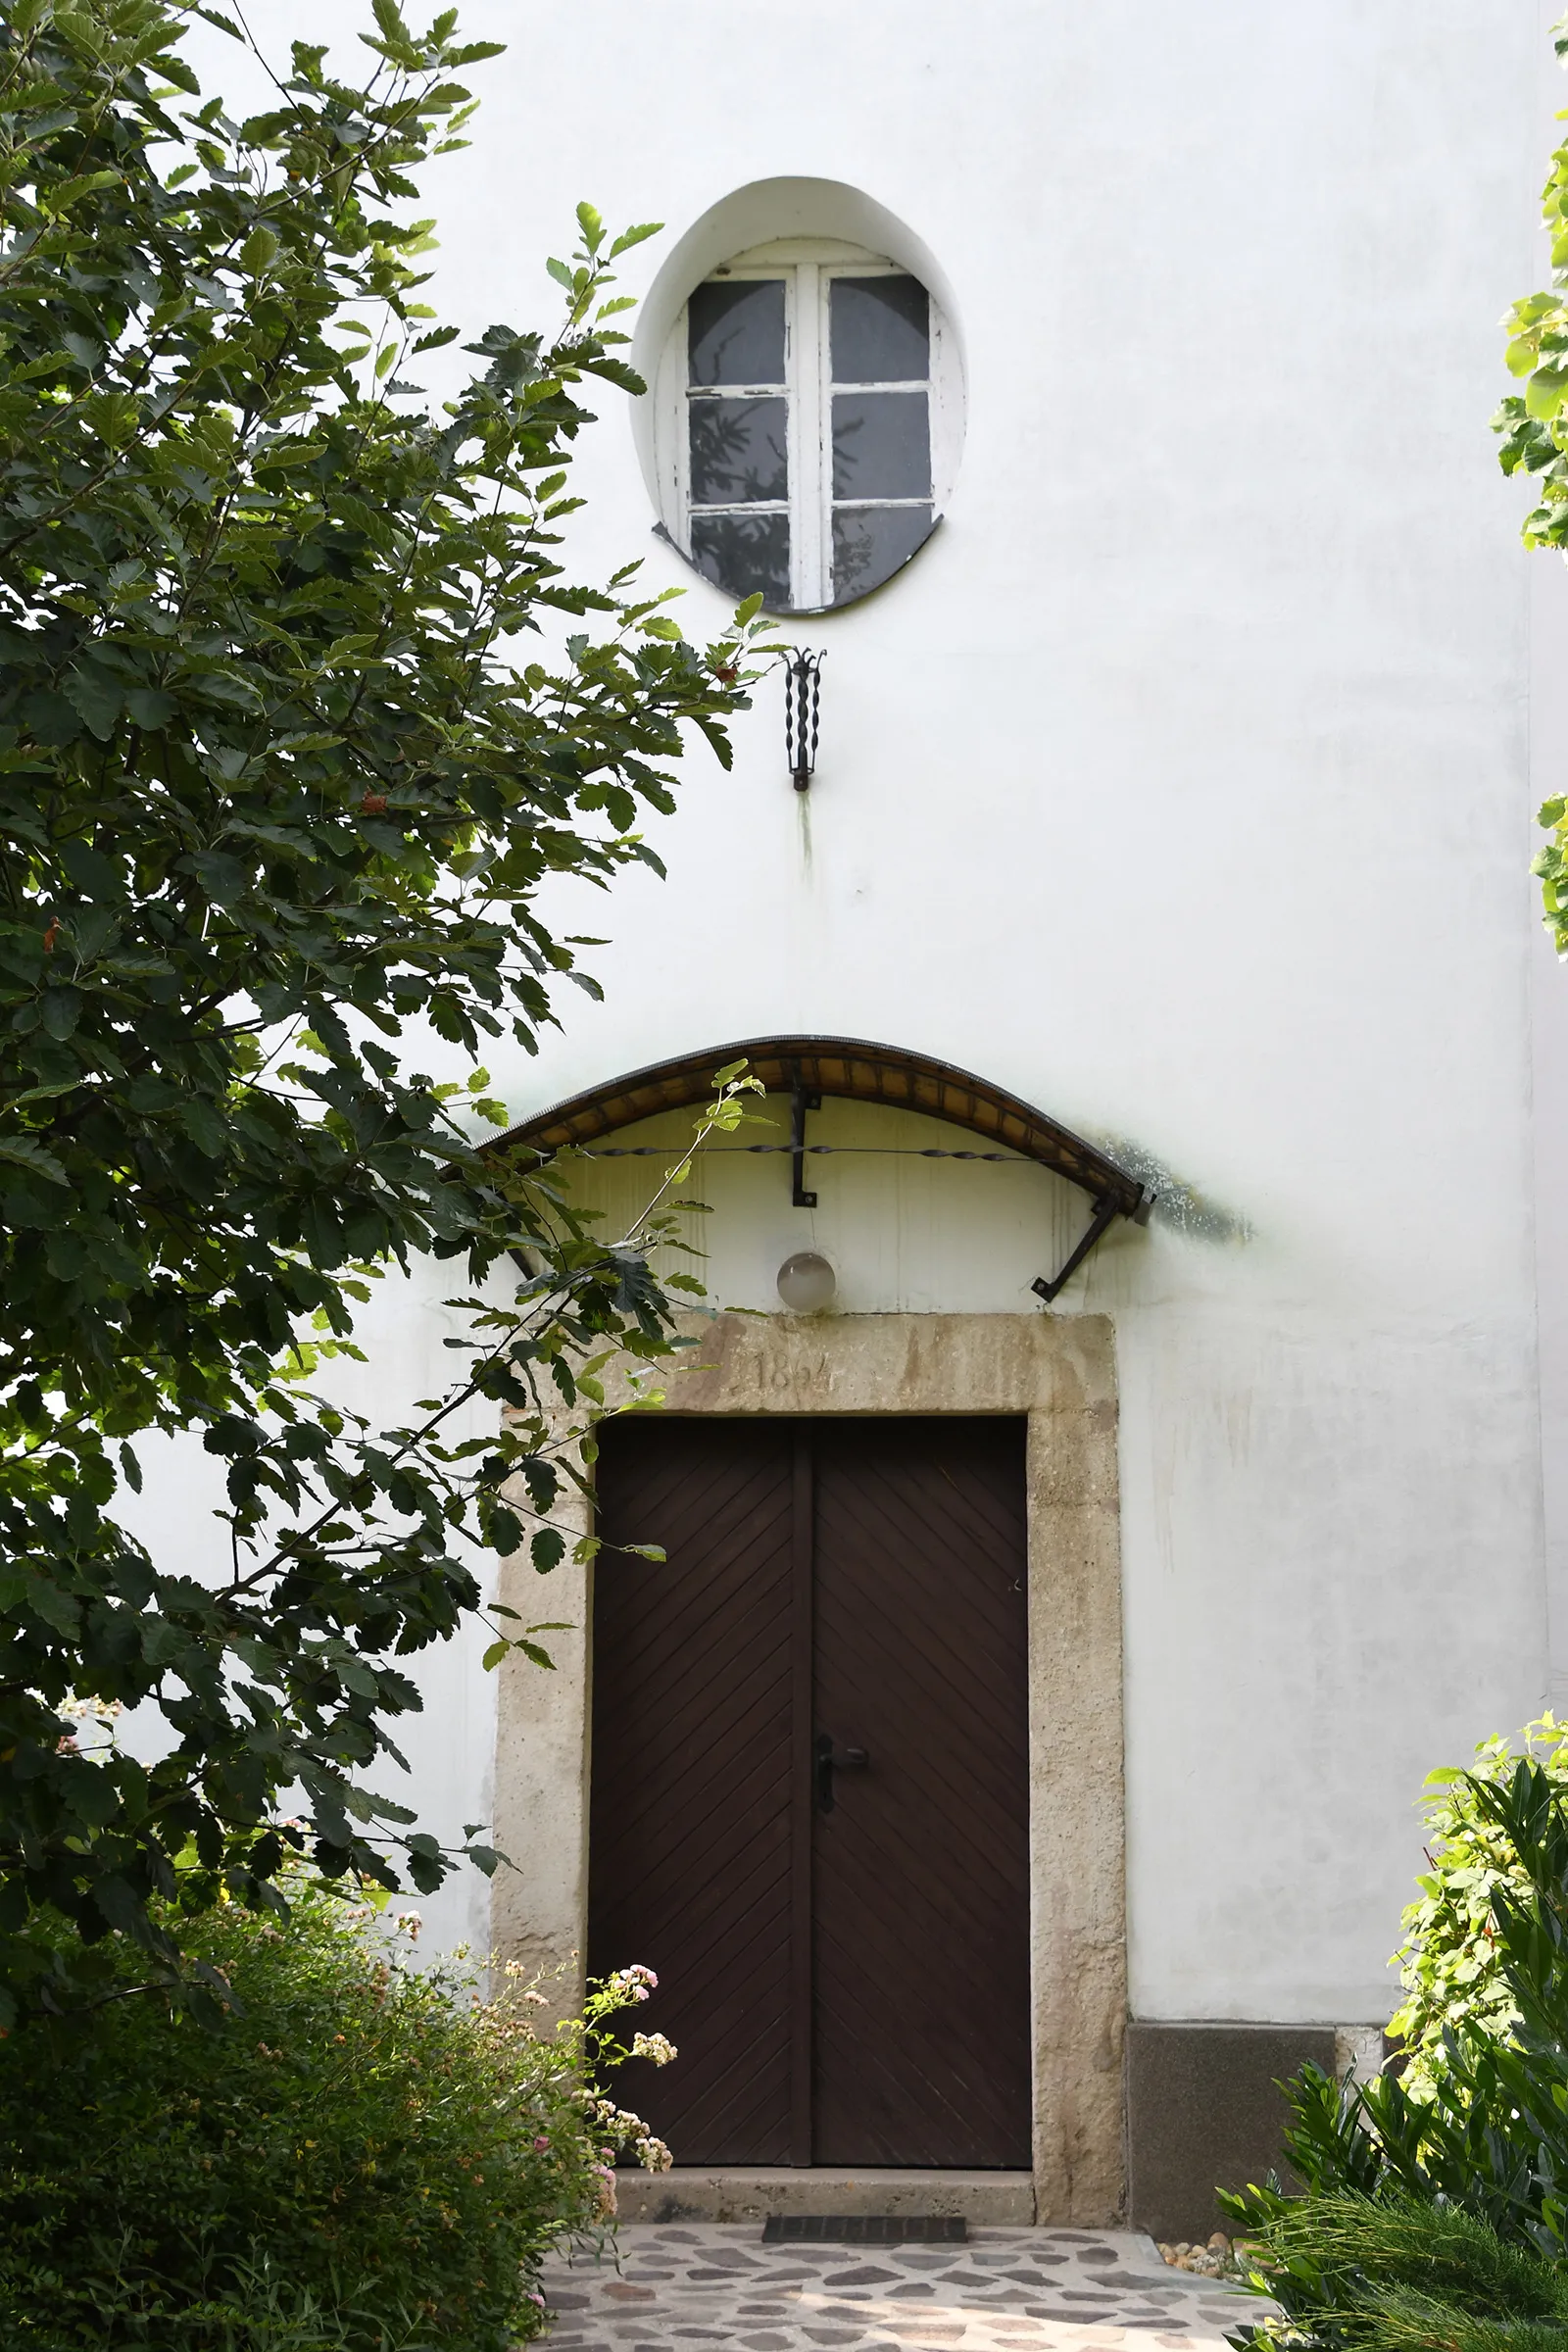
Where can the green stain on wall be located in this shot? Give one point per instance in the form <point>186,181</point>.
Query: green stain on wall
<point>1180,1205</point>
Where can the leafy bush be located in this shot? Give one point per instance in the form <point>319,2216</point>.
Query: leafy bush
<point>363,2155</point>
<point>1450,1959</point>
<point>1436,2217</point>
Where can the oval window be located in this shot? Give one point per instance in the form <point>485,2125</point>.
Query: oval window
<point>807,423</point>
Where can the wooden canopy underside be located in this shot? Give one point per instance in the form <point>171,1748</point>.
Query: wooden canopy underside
<point>852,1070</point>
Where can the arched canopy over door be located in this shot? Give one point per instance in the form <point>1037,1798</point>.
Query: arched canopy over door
<point>807,1069</point>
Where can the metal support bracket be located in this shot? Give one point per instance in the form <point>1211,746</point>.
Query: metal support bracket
<point>1106,1208</point>
<point>800,1104</point>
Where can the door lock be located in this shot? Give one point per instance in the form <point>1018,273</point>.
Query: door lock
<point>830,1760</point>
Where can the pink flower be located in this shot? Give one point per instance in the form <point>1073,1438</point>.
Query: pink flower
<point>541,2144</point>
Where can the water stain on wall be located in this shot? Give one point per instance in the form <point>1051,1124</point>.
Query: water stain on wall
<point>1179,1205</point>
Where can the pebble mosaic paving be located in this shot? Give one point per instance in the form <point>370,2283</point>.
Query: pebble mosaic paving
<point>686,2286</point>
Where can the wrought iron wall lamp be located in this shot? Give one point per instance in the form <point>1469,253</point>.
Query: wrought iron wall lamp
<point>803,689</point>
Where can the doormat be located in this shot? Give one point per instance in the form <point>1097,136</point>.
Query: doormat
<point>865,2230</point>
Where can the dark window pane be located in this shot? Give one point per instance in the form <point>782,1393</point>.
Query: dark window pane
<point>881,445</point>
<point>870,543</point>
<point>735,333</point>
<point>881,330</point>
<point>744,553</point>
<point>737,451</point>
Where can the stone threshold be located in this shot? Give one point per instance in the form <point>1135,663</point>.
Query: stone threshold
<point>750,2192</point>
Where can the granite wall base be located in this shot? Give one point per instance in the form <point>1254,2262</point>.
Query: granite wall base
<point>1204,2111</point>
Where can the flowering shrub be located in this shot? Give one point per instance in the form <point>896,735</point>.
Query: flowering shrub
<point>364,2156</point>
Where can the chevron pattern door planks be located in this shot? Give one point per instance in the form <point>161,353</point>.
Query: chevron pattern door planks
<point>920,1902</point>
<point>809,1807</point>
<point>689,1824</point>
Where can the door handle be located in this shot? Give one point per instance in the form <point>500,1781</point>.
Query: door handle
<point>830,1760</point>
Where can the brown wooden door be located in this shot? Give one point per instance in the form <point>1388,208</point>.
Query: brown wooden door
<point>843,1953</point>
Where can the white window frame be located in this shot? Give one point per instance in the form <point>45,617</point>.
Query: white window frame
<point>807,266</point>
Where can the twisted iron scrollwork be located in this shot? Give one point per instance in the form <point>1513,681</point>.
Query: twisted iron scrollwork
<point>803,688</point>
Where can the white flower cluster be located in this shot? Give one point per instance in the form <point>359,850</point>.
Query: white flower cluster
<point>97,1717</point>
<point>633,1983</point>
<point>621,2128</point>
<point>656,2048</point>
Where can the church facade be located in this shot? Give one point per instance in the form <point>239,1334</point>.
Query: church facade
<point>1128,1465</point>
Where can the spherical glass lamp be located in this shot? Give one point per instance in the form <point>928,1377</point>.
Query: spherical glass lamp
<point>806,1282</point>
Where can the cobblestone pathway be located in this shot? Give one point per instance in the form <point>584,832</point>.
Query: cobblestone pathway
<point>686,2285</point>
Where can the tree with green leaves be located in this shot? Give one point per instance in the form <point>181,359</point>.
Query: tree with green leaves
<point>1533,427</point>
<point>298,710</point>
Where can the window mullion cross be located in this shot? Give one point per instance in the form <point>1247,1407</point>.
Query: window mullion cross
<point>808,377</point>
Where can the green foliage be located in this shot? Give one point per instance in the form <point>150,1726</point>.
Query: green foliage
<point>1438,2217</point>
<point>1399,2275</point>
<point>1451,1960</point>
<point>298,708</point>
<point>368,2155</point>
<point>1533,427</point>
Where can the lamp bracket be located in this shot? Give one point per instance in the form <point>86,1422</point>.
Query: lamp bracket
<point>802,1100</point>
<point>803,691</point>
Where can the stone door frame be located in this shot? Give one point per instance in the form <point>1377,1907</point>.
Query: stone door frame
<point>1058,1371</point>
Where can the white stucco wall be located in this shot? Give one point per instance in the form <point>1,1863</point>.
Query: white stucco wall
<point>1180,788</point>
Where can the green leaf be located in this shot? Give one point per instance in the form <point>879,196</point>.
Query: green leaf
<point>1544,392</point>
<point>96,694</point>
<point>260,249</point>
<point>64,193</point>
<point>629,237</point>
<point>45,1599</point>
<point>547,1550</point>
<point>62,1010</point>
<point>23,1152</point>
<point>94,1797</point>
